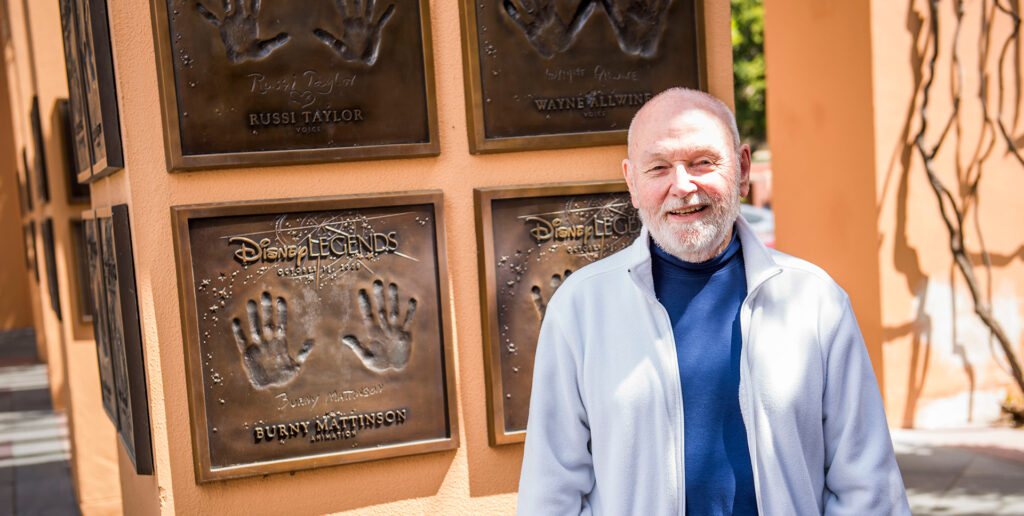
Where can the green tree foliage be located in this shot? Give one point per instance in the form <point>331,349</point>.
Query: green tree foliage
<point>748,69</point>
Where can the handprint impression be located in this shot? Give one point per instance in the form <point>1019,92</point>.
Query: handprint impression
<point>239,30</point>
<point>538,300</point>
<point>360,43</point>
<point>389,343</point>
<point>543,28</point>
<point>638,27</point>
<point>265,356</point>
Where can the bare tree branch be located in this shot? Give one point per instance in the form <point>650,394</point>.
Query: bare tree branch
<point>952,213</point>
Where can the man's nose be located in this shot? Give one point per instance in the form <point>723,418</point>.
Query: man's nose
<point>683,181</point>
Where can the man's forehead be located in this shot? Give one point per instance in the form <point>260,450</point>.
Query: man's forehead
<point>682,118</point>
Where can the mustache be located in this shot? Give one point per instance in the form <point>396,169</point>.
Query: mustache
<point>694,199</point>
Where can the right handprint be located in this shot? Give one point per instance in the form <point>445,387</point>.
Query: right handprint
<point>538,298</point>
<point>360,41</point>
<point>388,343</point>
<point>638,25</point>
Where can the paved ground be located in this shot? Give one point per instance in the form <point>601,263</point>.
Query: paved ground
<point>972,471</point>
<point>34,475</point>
<point>963,472</point>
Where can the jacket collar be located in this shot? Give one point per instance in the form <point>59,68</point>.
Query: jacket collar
<point>757,259</point>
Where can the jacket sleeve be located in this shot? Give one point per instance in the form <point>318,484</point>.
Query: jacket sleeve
<point>861,474</point>
<point>558,468</point>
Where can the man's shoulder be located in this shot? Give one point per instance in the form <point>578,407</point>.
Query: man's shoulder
<point>798,269</point>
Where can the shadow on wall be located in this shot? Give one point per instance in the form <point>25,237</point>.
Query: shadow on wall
<point>943,323</point>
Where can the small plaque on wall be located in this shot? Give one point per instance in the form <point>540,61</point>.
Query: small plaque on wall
<point>124,333</point>
<point>529,240</point>
<point>30,248</point>
<point>63,124</point>
<point>95,121</point>
<point>317,332</point>
<point>39,163</point>
<point>252,83</point>
<point>49,254</point>
<point>544,74</point>
<point>28,179</point>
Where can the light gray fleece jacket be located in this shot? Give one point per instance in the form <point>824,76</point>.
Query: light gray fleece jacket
<point>605,432</point>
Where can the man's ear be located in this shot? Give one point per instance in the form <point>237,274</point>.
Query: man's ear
<point>744,170</point>
<point>627,173</point>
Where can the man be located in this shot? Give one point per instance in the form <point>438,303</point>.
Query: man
<point>697,371</point>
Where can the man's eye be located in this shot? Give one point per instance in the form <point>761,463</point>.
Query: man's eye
<point>657,168</point>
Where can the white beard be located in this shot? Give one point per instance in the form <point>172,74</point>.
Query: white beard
<point>701,240</point>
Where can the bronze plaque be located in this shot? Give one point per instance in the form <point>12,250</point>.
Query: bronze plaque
<point>28,179</point>
<point>91,87</point>
<point>49,255</point>
<point>30,248</point>
<point>97,291</point>
<point>79,123</point>
<point>531,238</point>
<point>317,332</point>
<point>251,82</point>
<point>62,122</point>
<point>567,73</point>
<point>124,332</point>
<point>39,163</point>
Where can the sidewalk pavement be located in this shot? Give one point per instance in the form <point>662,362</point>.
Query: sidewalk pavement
<point>34,474</point>
<point>970,471</point>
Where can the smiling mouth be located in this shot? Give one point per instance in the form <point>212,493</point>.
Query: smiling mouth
<point>690,210</point>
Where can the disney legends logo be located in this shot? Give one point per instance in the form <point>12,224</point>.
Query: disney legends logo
<point>557,229</point>
<point>338,245</point>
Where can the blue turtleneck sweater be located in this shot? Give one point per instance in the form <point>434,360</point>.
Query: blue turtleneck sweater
<point>703,302</point>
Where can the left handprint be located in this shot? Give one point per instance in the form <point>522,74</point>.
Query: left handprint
<point>265,355</point>
<point>240,32</point>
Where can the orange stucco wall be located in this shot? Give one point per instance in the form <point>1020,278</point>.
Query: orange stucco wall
<point>940,364</point>
<point>845,82</point>
<point>15,311</point>
<point>475,478</point>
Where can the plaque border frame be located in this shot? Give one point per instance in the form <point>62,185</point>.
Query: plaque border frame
<point>180,217</point>
<point>178,162</point>
<point>482,204</point>
<point>478,141</point>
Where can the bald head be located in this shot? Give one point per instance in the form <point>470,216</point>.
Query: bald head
<point>673,101</point>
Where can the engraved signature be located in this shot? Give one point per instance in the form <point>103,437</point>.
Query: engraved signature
<point>311,400</point>
<point>302,89</point>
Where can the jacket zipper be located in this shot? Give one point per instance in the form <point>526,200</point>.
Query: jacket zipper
<point>745,314</point>
<point>665,321</point>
